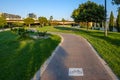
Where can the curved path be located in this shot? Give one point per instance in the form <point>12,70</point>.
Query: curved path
<point>75,52</point>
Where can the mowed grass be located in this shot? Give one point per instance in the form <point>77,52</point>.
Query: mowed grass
<point>107,47</point>
<point>20,59</point>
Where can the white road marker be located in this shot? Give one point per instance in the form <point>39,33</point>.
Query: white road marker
<point>75,72</point>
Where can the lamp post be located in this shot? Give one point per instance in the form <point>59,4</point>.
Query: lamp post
<point>105,19</point>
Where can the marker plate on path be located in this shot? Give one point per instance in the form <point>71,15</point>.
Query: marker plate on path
<point>75,72</point>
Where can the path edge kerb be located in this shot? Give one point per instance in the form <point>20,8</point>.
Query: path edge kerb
<point>46,63</point>
<point>109,70</point>
<point>39,73</point>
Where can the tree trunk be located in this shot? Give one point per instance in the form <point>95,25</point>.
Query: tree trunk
<point>87,26</point>
<point>105,28</point>
<point>29,25</point>
<point>63,24</point>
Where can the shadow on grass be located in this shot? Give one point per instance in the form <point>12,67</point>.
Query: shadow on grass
<point>66,28</point>
<point>94,34</point>
<point>19,60</point>
<point>100,35</point>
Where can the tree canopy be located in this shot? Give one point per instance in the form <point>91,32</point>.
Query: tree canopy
<point>118,21</point>
<point>2,22</point>
<point>111,21</point>
<point>32,15</point>
<point>29,21</point>
<point>117,2</point>
<point>89,12</point>
<point>51,18</point>
<point>63,20</point>
<point>43,21</point>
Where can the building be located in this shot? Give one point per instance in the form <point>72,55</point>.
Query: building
<point>10,16</point>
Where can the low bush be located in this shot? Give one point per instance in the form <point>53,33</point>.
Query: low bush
<point>41,33</point>
<point>25,33</point>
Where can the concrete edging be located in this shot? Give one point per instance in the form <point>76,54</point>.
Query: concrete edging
<point>46,63</point>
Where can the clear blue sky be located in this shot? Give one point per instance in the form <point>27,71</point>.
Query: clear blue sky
<point>57,8</point>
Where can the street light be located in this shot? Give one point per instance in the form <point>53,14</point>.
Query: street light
<point>105,18</point>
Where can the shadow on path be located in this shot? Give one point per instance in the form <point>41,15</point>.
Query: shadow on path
<point>56,69</point>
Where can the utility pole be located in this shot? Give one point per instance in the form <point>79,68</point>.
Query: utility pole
<point>105,18</point>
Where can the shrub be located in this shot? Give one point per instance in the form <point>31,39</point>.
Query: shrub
<point>41,33</point>
<point>23,33</point>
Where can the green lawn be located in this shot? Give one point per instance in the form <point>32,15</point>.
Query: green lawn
<point>20,59</point>
<point>107,47</point>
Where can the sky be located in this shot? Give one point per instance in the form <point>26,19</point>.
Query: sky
<point>57,8</point>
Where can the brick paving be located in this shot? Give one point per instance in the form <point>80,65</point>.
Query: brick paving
<point>75,52</point>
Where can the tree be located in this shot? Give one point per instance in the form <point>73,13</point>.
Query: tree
<point>117,2</point>
<point>43,21</point>
<point>32,15</point>
<point>2,22</point>
<point>63,20</point>
<point>29,21</point>
<point>118,21</point>
<point>111,21</point>
<point>50,20</point>
<point>17,24</point>
<point>88,12</point>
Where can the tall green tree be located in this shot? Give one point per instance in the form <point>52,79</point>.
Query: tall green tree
<point>88,12</point>
<point>28,21</point>
<point>111,21</point>
<point>118,21</point>
<point>43,21</point>
<point>2,22</point>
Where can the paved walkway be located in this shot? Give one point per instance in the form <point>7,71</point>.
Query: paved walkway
<point>75,52</point>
